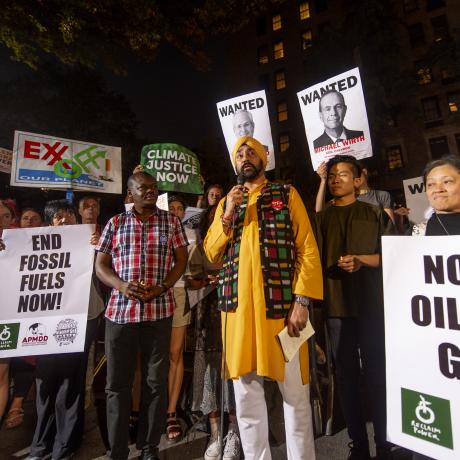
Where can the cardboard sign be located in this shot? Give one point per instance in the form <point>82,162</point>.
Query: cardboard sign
<point>421,277</point>
<point>247,115</point>
<point>45,285</point>
<point>53,162</point>
<point>5,160</point>
<point>335,118</point>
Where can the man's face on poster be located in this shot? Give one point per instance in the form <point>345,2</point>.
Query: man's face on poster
<point>243,125</point>
<point>332,110</point>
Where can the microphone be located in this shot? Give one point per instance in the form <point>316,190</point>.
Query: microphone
<point>240,179</point>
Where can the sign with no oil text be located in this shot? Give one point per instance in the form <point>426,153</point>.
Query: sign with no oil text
<point>175,167</point>
<point>45,286</point>
<point>421,278</point>
<point>52,162</point>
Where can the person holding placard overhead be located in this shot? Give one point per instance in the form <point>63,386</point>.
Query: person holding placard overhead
<point>271,271</point>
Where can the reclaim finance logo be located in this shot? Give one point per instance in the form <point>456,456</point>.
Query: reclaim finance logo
<point>9,336</point>
<point>426,417</point>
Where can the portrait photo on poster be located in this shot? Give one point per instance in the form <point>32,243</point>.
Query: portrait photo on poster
<point>335,118</point>
<point>247,115</point>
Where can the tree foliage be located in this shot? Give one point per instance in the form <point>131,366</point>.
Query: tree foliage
<point>89,32</point>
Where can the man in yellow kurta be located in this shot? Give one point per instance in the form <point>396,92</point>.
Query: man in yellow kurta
<point>271,271</point>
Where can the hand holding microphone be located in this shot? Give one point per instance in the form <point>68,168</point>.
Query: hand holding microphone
<point>234,197</point>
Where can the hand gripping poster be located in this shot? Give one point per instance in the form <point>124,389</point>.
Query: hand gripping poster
<point>335,118</point>
<point>247,115</point>
<point>176,168</point>
<point>45,286</point>
<point>53,162</point>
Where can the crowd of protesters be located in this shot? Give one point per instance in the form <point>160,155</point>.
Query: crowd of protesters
<point>156,279</point>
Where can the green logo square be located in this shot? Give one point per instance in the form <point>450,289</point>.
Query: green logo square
<point>9,336</point>
<point>426,417</point>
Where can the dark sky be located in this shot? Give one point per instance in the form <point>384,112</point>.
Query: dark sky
<point>173,102</point>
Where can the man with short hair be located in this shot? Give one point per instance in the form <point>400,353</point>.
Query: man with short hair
<point>349,240</point>
<point>243,123</point>
<point>89,209</point>
<point>271,271</point>
<point>141,254</point>
<point>332,111</point>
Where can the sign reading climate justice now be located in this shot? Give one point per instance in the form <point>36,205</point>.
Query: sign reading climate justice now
<point>422,343</point>
<point>247,115</point>
<point>336,124</point>
<point>52,162</point>
<point>175,167</point>
<point>45,285</point>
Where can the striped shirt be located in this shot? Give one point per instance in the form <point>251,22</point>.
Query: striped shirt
<point>141,251</point>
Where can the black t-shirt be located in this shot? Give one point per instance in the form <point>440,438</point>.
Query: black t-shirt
<point>443,224</point>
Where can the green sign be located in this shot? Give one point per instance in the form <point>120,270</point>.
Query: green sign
<point>175,167</point>
<point>9,336</point>
<point>426,417</point>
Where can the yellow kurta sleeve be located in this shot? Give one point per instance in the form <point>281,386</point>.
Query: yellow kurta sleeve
<point>308,278</point>
<point>216,239</point>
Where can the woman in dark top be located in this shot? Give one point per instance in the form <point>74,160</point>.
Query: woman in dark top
<point>442,182</point>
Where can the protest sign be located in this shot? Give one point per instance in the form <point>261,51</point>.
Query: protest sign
<point>416,199</point>
<point>162,202</point>
<point>5,160</point>
<point>247,115</point>
<point>45,285</point>
<point>342,116</point>
<point>53,162</point>
<point>175,167</point>
<point>422,335</point>
<point>192,217</point>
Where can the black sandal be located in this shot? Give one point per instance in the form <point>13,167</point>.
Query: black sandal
<point>174,430</point>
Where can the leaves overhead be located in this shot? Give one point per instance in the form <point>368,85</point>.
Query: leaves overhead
<point>88,32</point>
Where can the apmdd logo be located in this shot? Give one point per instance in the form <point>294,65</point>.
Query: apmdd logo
<point>426,417</point>
<point>9,336</point>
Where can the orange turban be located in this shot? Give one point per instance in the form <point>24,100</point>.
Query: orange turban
<point>260,150</point>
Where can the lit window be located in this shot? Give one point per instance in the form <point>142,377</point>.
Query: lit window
<point>430,108</point>
<point>278,50</point>
<point>282,111</point>
<point>280,79</point>
<point>284,142</point>
<point>439,147</point>
<point>276,22</point>
<point>453,100</point>
<point>424,75</point>
<point>262,54</point>
<point>394,158</point>
<point>304,10</point>
<point>306,39</point>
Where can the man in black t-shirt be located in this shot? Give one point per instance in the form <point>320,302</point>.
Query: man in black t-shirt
<point>348,234</point>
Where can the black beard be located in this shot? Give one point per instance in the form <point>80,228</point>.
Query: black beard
<point>252,174</point>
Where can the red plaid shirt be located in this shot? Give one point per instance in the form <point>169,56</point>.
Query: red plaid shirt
<point>141,251</point>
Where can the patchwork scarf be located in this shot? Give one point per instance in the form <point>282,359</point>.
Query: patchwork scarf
<point>277,255</point>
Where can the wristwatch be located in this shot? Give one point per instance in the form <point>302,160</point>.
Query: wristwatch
<point>302,300</point>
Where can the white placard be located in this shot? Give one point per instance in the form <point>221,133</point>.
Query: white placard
<point>347,118</point>
<point>247,115</point>
<point>416,199</point>
<point>53,162</point>
<point>421,278</point>
<point>45,285</point>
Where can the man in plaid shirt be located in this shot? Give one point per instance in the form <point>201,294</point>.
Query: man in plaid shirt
<point>141,254</point>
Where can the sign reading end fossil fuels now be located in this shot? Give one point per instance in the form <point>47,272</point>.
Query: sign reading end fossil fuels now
<point>45,285</point>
